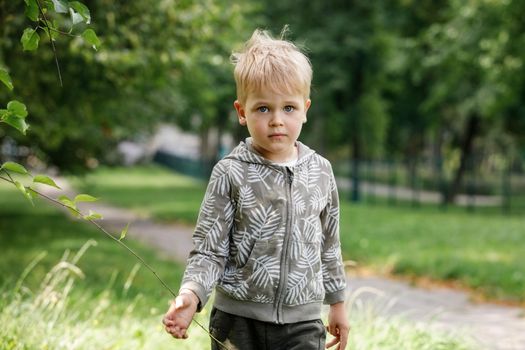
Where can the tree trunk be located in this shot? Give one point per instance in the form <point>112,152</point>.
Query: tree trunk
<point>355,141</point>
<point>437,151</point>
<point>471,132</point>
<point>222,120</point>
<point>355,176</point>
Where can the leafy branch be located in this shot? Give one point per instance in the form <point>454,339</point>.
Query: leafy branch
<point>36,11</point>
<point>71,205</point>
<point>51,40</point>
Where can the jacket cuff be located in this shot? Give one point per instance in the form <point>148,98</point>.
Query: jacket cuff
<point>199,291</point>
<point>335,297</point>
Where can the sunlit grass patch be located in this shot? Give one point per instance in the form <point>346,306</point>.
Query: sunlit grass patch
<point>481,251</point>
<point>150,190</point>
<point>47,317</point>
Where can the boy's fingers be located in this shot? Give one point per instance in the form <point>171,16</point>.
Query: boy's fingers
<point>332,342</point>
<point>168,322</point>
<point>182,334</point>
<point>344,340</point>
<point>332,330</point>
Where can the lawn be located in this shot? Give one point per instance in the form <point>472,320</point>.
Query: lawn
<point>483,252</point>
<point>97,299</point>
<point>480,250</point>
<point>150,190</point>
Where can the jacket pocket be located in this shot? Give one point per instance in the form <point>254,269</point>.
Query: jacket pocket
<point>305,278</point>
<point>257,279</point>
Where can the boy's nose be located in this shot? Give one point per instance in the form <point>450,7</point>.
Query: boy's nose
<point>276,119</point>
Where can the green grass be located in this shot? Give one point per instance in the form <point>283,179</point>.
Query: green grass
<point>150,190</point>
<point>93,299</point>
<point>53,316</point>
<point>26,232</point>
<point>480,249</point>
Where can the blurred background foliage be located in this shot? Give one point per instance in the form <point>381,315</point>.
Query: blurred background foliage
<point>434,81</point>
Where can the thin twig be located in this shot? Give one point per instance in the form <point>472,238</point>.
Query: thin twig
<point>60,32</point>
<point>46,25</point>
<point>122,244</point>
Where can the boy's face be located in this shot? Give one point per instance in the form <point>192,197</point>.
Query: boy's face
<point>274,121</point>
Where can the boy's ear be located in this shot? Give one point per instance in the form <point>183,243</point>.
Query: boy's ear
<point>307,105</point>
<point>240,112</point>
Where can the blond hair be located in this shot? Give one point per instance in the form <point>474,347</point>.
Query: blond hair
<point>268,63</point>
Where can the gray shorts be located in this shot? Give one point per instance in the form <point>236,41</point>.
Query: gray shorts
<point>241,333</point>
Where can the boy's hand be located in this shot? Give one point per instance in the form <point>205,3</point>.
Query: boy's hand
<point>338,326</point>
<point>179,315</point>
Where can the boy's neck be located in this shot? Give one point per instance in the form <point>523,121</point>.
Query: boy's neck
<point>291,160</point>
<point>294,156</point>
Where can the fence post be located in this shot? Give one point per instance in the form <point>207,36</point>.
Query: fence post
<point>355,197</point>
<point>392,168</point>
<point>505,189</point>
<point>413,183</point>
<point>370,182</point>
<point>471,184</point>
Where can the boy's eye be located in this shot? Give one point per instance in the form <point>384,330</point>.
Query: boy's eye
<point>263,109</point>
<point>289,108</point>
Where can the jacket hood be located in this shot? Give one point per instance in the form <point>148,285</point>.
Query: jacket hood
<point>245,152</point>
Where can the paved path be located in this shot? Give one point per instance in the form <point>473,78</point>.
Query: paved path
<point>406,193</point>
<point>494,327</point>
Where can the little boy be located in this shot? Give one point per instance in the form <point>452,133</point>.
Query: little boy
<point>267,235</point>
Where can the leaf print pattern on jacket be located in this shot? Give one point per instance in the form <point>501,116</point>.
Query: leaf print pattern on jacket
<point>268,234</point>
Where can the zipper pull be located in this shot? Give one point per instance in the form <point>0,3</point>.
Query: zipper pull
<point>290,175</point>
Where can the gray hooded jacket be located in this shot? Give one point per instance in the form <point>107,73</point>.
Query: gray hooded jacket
<point>268,236</point>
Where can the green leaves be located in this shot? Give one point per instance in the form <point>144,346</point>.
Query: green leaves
<point>45,180</point>
<point>72,206</point>
<point>15,115</point>
<point>60,6</point>
<point>32,10</point>
<point>18,109</point>
<point>19,169</point>
<point>68,203</point>
<point>6,79</point>
<point>16,123</point>
<point>91,37</point>
<point>85,198</point>
<point>30,39</point>
<point>93,216</point>
<point>14,167</point>
<point>28,192</point>
<point>25,191</point>
<point>79,9</point>
<point>124,232</point>
<point>79,13</point>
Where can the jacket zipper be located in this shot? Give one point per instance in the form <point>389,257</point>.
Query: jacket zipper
<point>283,278</point>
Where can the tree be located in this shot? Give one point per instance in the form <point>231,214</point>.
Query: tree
<point>351,47</point>
<point>127,87</point>
<point>476,67</point>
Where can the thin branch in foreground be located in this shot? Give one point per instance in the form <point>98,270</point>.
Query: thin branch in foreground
<point>122,244</point>
<point>46,25</point>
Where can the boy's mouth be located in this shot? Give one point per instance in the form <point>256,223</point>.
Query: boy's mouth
<point>277,135</point>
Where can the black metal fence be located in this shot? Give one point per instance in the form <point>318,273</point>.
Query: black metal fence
<point>191,167</point>
<point>420,182</point>
<point>414,183</point>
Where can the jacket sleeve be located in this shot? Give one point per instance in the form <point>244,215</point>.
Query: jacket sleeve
<point>206,261</point>
<point>332,263</point>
